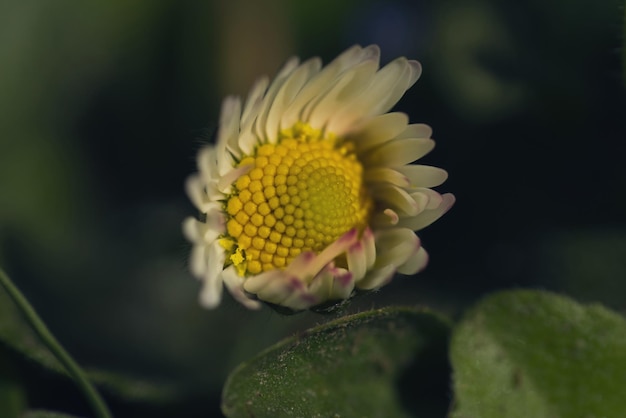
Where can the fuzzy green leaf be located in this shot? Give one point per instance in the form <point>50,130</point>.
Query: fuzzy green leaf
<point>536,354</point>
<point>372,364</point>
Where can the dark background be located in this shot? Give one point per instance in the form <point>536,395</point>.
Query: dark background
<point>103,106</point>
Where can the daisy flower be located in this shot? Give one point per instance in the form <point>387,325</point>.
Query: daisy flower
<point>309,194</point>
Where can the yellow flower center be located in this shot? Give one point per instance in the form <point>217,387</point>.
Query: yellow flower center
<point>301,194</point>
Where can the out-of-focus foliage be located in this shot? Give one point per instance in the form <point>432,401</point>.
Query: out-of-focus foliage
<point>535,354</point>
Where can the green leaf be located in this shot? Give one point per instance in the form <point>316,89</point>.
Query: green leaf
<point>384,363</point>
<point>536,354</point>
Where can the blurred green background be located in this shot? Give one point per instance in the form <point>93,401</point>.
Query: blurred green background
<point>103,106</point>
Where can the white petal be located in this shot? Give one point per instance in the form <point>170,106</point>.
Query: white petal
<point>424,175</point>
<point>211,293</point>
<point>428,216</point>
<point>198,261</point>
<point>194,186</point>
<point>385,175</point>
<point>301,264</point>
<point>421,202</point>
<point>327,77</point>
<point>268,99</point>
<point>191,229</point>
<point>416,130</point>
<point>248,139</point>
<point>228,133</point>
<point>340,246</point>
<point>386,218</point>
<point>288,291</point>
<point>405,81</point>
<point>234,284</point>
<point>369,243</point>
<point>255,284</point>
<point>395,198</point>
<point>248,142</point>
<point>317,113</point>
<point>225,183</point>
<point>357,260</point>
<point>386,88</point>
<point>322,284</point>
<point>427,199</point>
<point>378,130</point>
<point>343,284</point>
<point>300,298</point>
<point>377,278</point>
<point>254,100</point>
<point>204,233</point>
<point>398,152</point>
<point>287,93</point>
<point>415,263</point>
<point>395,246</point>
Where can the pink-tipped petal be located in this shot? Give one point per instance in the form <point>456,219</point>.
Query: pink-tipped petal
<point>357,260</point>
<point>331,252</point>
<point>300,298</point>
<point>343,284</point>
<point>302,263</point>
<point>369,244</point>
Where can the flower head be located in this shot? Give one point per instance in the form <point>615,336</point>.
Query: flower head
<point>309,194</point>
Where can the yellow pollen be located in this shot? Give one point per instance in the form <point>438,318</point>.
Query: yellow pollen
<point>301,194</point>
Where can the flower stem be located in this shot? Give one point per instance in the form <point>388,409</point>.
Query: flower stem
<point>93,397</point>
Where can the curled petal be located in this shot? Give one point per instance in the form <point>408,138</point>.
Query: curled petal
<point>357,260</point>
<point>395,246</point>
<point>397,198</point>
<point>415,263</point>
<point>427,217</point>
<point>377,278</point>
<point>386,175</point>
